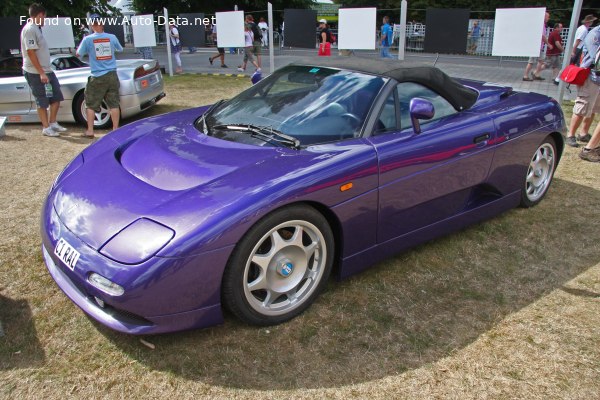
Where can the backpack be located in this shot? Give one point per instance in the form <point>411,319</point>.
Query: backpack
<point>255,31</point>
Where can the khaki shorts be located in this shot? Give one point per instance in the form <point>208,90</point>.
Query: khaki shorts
<point>554,61</point>
<point>104,87</point>
<point>256,47</point>
<point>588,101</point>
<point>541,58</point>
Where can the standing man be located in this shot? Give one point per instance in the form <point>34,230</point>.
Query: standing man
<point>580,35</point>
<point>387,35</point>
<point>264,27</point>
<point>474,36</point>
<point>324,39</point>
<point>587,102</point>
<point>221,50</point>
<point>257,38</point>
<point>37,71</point>
<point>554,54</point>
<point>535,76</point>
<point>104,82</point>
<point>175,46</point>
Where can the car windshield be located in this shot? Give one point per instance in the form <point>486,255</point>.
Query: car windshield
<point>310,104</point>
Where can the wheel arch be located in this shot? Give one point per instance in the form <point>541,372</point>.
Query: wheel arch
<point>560,143</point>
<point>336,228</point>
<point>76,96</point>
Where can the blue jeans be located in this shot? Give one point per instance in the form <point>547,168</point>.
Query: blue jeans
<point>385,52</point>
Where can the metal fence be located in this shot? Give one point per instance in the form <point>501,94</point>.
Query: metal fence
<point>415,38</point>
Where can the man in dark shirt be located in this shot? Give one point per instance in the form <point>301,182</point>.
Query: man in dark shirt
<point>553,54</point>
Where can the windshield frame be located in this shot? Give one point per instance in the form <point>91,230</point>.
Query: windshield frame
<point>263,88</point>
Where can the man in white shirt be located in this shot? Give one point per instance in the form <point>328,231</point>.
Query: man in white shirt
<point>36,69</point>
<point>580,35</point>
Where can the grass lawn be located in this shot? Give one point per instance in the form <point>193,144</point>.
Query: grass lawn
<point>509,308</point>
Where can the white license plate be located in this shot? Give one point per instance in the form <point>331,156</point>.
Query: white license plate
<point>67,254</point>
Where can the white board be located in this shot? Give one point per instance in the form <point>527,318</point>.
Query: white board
<point>357,28</point>
<point>518,32</point>
<point>230,28</point>
<point>144,34</point>
<point>58,33</point>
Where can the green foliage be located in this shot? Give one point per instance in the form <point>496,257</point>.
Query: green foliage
<point>62,8</point>
<point>212,6</point>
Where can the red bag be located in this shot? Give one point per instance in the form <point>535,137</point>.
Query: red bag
<point>575,75</point>
<point>325,49</point>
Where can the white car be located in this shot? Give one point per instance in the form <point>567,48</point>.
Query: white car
<point>141,87</point>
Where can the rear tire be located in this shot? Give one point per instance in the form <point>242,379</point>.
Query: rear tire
<point>279,267</point>
<point>539,173</point>
<point>102,119</point>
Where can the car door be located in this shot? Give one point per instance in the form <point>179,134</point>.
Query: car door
<point>15,96</point>
<point>427,177</point>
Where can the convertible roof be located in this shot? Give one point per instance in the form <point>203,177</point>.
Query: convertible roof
<point>460,96</point>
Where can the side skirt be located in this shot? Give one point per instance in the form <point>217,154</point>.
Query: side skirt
<point>360,261</point>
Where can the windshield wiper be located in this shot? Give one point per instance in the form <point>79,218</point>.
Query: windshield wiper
<point>206,114</point>
<point>263,132</point>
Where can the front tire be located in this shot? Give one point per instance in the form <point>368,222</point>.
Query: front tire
<point>279,267</point>
<point>539,173</point>
<point>102,119</point>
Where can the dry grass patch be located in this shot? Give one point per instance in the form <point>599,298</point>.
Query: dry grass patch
<point>509,308</point>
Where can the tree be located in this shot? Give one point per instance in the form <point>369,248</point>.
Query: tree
<point>212,6</point>
<point>62,8</point>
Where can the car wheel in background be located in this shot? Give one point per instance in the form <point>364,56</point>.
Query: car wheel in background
<point>102,119</point>
<point>539,173</point>
<point>279,267</point>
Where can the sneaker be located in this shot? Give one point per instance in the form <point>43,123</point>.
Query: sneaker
<point>241,69</point>
<point>49,132</point>
<point>527,79</point>
<point>56,127</point>
<point>259,70</point>
<point>571,141</point>
<point>592,155</point>
<point>224,66</point>
<point>210,60</point>
<point>555,82</point>
<point>584,138</point>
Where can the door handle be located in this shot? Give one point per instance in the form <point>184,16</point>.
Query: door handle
<point>20,87</point>
<point>481,138</point>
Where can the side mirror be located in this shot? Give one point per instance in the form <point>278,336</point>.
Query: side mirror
<point>420,109</point>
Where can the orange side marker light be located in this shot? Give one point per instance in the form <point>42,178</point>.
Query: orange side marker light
<point>346,186</point>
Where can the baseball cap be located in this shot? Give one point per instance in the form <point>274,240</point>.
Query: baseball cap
<point>95,17</point>
<point>323,21</point>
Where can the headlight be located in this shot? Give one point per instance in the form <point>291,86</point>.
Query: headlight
<point>137,242</point>
<point>100,282</point>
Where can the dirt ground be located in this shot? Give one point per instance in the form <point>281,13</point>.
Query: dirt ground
<point>509,308</point>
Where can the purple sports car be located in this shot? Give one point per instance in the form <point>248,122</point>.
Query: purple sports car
<point>251,203</point>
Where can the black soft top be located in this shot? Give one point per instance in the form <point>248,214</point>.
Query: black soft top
<point>460,96</point>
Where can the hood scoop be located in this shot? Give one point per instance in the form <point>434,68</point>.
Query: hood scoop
<point>177,158</point>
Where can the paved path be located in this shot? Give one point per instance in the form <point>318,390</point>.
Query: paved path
<point>488,69</point>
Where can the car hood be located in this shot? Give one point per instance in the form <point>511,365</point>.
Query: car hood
<point>163,169</point>
<point>178,157</point>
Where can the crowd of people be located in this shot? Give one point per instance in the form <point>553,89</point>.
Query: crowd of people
<point>585,54</point>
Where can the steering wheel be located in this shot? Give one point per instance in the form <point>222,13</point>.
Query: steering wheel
<point>353,118</point>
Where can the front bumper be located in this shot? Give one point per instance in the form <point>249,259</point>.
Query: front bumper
<point>161,294</point>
